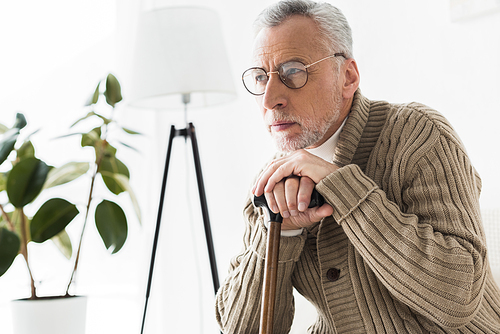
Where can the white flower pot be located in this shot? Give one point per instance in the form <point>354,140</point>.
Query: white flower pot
<point>64,315</point>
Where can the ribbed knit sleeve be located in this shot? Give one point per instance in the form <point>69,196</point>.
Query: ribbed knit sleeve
<point>239,298</point>
<point>421,235</point>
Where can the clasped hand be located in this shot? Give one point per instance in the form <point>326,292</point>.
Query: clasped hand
<point>287,184</point>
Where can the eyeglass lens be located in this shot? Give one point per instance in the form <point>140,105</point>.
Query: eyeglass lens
<point>293,74</point>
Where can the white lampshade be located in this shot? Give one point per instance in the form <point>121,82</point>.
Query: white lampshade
<point>180,50</point>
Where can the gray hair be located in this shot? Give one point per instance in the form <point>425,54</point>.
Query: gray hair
<point>335,32</point>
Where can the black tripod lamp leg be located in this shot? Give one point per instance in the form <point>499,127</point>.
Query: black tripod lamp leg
<point>158,223</point>
<point>204,207</point>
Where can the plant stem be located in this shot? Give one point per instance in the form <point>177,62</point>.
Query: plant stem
<point>83,230</point>
<point>24,250</point>
<point>7,219</point>
<point>94,175</point>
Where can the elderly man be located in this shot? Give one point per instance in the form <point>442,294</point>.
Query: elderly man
<point>399,245</point>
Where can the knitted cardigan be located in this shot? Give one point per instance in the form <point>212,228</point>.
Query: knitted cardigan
<point>405,238</point>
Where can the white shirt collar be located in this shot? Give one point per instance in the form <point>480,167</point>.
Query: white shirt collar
<point>326,151</point>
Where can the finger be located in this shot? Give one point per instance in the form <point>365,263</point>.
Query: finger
<point>291,190</point>
<point>316,214</point>
<point>265,175</point>
<point>300,163</point>
<point>304,193</point>
<point>291,164</point>
<point>258,180</point>
<point>323,211</point>
<point>307,218</point>
<point>282,171</point>
<point>280,198</point>
<point>271,201</point>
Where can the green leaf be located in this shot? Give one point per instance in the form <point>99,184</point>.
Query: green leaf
<point>26,180</point>
<point>128,146</point>
<point>124,183</point>
<point>111,183</point>
<point>27,150</point>
<point>95,97</point>
<point>3,181</point>
<point>63,243</point>
<point>113,165</point>
<point>9,137</point>
<point>9,248</point>
<point>105,151</point>
<point>70,135</point>
<point>92,138</point>
<point>110,166</point>
<point>112,225</point>
<point>113,92</point>
<point>89,114</point>
<point>3,128</point>
<point>131,132</point>
<point>92,114</point>
<point>104,119</point>
<point>7,143</point>
<point>20,121</point>
<point>52,217</point>
<point>66,173</point>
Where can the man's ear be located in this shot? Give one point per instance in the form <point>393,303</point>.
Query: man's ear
<point>351,78</point>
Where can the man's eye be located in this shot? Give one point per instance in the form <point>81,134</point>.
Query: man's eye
<point>261,78</point>
<point>293,71</point>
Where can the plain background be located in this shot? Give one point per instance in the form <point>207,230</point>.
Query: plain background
<point>54,52</point>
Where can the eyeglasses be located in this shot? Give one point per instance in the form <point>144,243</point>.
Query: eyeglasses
<point>292,73</point>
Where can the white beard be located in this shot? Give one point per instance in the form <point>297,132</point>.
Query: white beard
<point>313,130</point>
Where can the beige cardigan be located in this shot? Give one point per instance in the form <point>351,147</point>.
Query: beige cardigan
<point>403,252</point>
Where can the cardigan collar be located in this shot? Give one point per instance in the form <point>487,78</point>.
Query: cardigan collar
<point>353,130</point>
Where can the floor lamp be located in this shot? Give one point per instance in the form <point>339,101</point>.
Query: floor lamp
<point>180,58</point>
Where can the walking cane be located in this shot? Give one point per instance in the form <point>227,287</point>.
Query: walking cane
<point>271,261</point>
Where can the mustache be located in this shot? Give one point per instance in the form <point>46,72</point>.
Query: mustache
<point>281,116</point>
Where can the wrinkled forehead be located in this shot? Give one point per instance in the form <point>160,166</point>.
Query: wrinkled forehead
<point>296,37</point>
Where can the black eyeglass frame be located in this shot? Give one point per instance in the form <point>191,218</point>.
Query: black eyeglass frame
<point>339,54</point>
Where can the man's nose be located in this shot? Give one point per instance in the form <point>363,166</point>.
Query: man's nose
<point>275,93</point>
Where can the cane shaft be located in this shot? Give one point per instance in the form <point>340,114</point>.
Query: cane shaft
<point>270,278</point>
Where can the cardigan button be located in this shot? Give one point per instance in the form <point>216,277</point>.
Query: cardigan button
<point>333,274</point>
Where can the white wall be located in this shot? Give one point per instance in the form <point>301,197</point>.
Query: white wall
<point>406,51</point>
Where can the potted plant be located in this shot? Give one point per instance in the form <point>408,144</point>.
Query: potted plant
<point>24,177</point>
